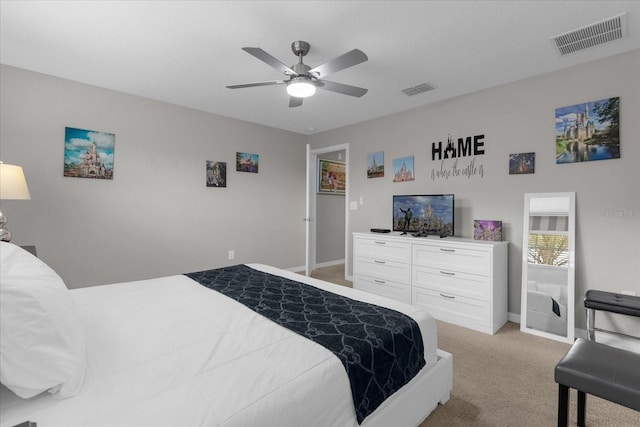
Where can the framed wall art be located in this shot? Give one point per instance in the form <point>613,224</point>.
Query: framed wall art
<point>522,163</point>
<point>589,131</point>
<point>216,174</point>
<point>375,165</point>
<point>88,153</point>
<point>403,169</point>
<point>246,162</point>
<point>332,177</point>
<point>487,230</point>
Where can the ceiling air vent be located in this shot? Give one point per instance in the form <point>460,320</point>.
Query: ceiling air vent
<point>414,90</point>
<point>592,35</point>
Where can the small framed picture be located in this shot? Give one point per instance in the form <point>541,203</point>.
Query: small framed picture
<point>375,165</point>
<point>216,174</point>
<point>487,230</point>
<point>246,162</point>
<point>521,163</point>
<point>88,153</point>
<point>332,177</point>
<point>403,169</point>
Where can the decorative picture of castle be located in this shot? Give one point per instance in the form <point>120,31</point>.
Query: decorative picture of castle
<point>246,162</point>
<point>88,153</point>
<point>403,169</point>
<point>216,174</point>
<point>590,131</point>
<point>521,163</point>
<point>375,165</point>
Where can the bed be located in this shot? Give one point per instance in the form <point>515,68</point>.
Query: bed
<point>169,351</point>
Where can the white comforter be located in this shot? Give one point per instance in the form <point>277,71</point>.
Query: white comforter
<point>171,352</point>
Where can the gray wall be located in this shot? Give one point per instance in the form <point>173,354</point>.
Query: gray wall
<point>516,118</point>
<point>156,217</point>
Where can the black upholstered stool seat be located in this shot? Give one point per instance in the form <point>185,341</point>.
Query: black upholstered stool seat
<point>612,302</point>
<point>600,370</point>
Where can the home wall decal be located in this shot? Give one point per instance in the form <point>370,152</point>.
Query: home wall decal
<point>470,146</point>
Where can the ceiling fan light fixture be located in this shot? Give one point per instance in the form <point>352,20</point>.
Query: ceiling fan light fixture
<point>301,87</point>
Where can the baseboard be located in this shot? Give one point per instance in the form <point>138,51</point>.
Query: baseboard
<point>319,265</point>
<point>513,317</point>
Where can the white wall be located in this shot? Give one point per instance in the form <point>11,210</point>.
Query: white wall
<point>516,118</point>
<point>156,217</point>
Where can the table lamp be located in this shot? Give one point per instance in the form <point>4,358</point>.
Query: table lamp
<point>13,186</point>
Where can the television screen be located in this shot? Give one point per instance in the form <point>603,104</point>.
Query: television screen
<point>424,214</point>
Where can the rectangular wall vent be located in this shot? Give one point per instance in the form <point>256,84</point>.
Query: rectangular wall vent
<point>592,35</point>
<point>414,90</point>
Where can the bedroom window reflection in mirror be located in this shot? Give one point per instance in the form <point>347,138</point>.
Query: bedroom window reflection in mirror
<point>548,266</point>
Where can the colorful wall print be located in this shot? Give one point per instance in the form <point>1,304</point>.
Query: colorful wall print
<point>403,169</point>
<point>487,230</point>
<point>216,174</point>
<point>88,153</point>
<point>589,131</point>
<point>375,165</point>
<point>521,163</point>
<point>332,177</point>
<point>246,162</point>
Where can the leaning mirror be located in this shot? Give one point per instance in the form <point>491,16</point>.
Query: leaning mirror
<point>548,266</point>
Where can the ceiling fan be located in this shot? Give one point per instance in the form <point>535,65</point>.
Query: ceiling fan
<point>303,80</point>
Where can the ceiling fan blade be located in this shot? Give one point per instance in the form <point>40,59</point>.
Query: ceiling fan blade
<point>269,60</point>
<point>295,102</point>
<point>349,59</point>
<point>274,82</point>
<point>342,88</point>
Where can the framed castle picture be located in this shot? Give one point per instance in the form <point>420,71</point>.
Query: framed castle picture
<point>403,169</point>
<point>216,174</point>
<point>375,164</point>
<point>589,131</point>
<point>88,153</point>
<point>246,162</point>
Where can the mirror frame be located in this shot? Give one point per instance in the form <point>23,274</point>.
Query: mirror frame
<point>570,308</point>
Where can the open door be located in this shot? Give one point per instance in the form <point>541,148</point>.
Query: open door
<point>310,224</point>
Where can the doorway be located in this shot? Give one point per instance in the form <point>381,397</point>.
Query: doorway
<point>312,210</point>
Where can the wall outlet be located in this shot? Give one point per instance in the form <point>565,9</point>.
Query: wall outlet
<point>232,254</point>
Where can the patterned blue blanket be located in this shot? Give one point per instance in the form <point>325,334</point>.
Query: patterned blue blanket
<point>381,349</point>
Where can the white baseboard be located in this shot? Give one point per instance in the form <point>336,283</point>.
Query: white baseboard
<point>319,265</point>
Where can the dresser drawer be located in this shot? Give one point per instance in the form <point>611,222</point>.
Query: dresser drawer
<point>383,249</point>
<point>453,258</point>
<point>453,308</point>
<point>382,269</point>
<point>452,282</point>
<point>385,288</point>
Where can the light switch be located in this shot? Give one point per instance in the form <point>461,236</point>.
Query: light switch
<point>353,206</point>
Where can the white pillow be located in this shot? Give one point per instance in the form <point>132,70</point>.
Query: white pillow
<point>42,345</point>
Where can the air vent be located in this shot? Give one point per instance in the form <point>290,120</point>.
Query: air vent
<point>592,35</point>
<point>422,88</point>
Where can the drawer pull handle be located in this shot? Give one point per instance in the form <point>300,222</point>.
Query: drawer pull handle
<point>447,296</point>
<point>379,262</point>
<point>380,243</point>
<point>447,250</point>
<point>379,281</point>
<point>448,273</point>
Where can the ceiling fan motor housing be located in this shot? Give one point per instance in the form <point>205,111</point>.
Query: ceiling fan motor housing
<point>300,48</point>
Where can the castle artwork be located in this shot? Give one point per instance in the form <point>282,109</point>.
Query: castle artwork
<point>590,131</point>
<point>403,169</point>
<point>88,154</point>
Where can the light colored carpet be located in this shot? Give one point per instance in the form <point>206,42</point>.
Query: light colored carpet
<point>504,379</point>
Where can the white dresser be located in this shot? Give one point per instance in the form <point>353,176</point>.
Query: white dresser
<point>461,281</point>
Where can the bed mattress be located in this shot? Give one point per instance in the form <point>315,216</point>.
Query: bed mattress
<point>169,351</point>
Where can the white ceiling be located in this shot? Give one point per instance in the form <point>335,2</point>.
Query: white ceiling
<point>186,52</point>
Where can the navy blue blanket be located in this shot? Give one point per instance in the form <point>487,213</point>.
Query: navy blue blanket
<point>381,349</point>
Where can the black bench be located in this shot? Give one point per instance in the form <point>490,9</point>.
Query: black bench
<point>593,368</point>
<point>611,302</point>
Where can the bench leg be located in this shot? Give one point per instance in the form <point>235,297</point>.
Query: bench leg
<point>582,408</point>
<point>563,405</point>
<point>591,324</point>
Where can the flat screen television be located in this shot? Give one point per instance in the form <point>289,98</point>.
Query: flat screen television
<point>426,214</point>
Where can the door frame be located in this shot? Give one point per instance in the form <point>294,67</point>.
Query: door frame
<point>311,196</point>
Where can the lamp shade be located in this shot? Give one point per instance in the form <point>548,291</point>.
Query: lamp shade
<point>13,185</point>
<point>300,87</point>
